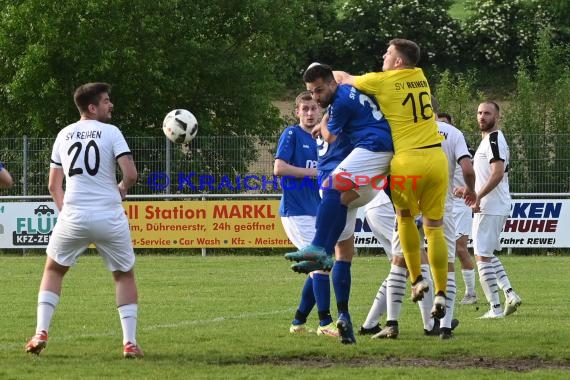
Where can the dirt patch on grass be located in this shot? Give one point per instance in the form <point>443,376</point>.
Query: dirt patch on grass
<point>510,364</point>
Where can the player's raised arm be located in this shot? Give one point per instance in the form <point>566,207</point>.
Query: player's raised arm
<point>324,130</point>
<point>342,77</point>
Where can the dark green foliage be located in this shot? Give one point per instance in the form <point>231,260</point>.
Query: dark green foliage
<point>458,96</point>
<point>365,27</point>
<point>559,14</point>
<point>538,122</point>
<point>220,59</point>
<point>535,118</point>
<point>223,60</point>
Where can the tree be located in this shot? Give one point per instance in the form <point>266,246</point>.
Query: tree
<point>221,59</point>
<point>499,32</point>
<point>559,14</point>
<point>537,121</point>
<point>457,95</point>
<point>218,58</point>
<point>364,27</point>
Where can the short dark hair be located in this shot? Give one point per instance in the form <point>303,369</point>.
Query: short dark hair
<point>494,104</point>
<point>409,50</point>
<point>445,115</point>
<point>319,71</point>
<point>89,93</point>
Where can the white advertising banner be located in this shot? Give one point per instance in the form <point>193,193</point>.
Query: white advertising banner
<point>26,224</point>
<point>537,223</point>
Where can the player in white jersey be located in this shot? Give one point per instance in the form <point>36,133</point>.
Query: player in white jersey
<point>381,218</point>
<point>85,155</point>
<point>491,210</point>
<point>463,216</point>
<point>457,153</point>
<point>458,156</point>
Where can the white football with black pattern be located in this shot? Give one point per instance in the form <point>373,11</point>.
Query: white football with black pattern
<point>180,126</point>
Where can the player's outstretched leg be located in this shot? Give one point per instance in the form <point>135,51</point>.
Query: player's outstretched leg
<point>309,266</point>
<point>371,325</point>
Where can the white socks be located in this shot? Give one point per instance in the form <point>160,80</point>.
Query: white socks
<point>502,278</point>
<point>469,280</point>
<point>450,293</point>
<point>47,302</point>
<point>488,280</point>
<point>397,282</point>
<point>426,303</point>
<point>128,314</point>
<point>378,307</point>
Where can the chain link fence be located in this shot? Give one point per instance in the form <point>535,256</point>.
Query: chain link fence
<point>244,164</point>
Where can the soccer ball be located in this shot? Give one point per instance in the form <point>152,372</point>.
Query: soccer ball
<point>180,126</point>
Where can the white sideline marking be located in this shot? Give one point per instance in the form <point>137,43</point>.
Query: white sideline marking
<point>20,345</point>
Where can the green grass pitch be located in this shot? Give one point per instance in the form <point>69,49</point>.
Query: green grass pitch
<point>228,317</point>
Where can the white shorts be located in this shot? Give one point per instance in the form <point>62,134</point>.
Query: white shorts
<point>299,229</point>
<point>366,166</point>
<point>349,226</point>
<point>397,247</point>
<point>381,220</point>
<point>463,219</point>
<point>107,230</point>
<point>449,233</point>
<point>487,234</point>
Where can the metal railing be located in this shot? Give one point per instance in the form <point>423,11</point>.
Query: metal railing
<point>534,170</point>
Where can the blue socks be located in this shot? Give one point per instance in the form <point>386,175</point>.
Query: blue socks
<point>341,280</point>
<point>322,292</point>
<point>331,219</point>
<point>307,302</point>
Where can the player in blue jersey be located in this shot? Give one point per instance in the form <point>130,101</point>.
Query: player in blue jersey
<point>296,162</point>
<point>330,156</point>
<point>5,177</point>
<point>359,117</point>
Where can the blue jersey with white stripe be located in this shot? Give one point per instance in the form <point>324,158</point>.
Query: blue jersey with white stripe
<point>330,155</point>
<point>360,117</point>
<point>300,195</point>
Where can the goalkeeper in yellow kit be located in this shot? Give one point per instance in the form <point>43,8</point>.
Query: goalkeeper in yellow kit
<point>404,96</point>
